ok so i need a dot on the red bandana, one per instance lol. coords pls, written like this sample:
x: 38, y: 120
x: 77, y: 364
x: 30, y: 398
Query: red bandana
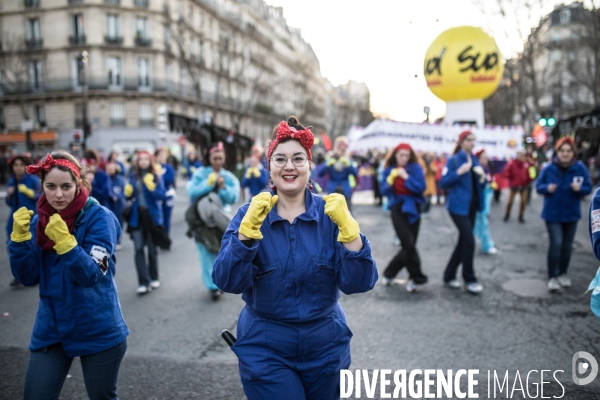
x: 50, y: 162
x: 403, y: 146
x: 565, y: 139
x: 284, y: 131
x: 463, y: 136
x: 69, y: 215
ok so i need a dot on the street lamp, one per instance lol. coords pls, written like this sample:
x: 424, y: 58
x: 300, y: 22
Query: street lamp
x: 82, y: 60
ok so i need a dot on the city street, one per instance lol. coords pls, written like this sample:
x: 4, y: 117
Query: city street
x: 176, y: 352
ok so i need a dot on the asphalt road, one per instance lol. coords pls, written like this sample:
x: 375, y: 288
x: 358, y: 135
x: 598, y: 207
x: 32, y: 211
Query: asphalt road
x: 175, y: 351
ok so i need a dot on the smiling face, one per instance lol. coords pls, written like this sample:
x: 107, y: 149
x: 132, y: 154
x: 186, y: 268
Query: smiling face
x: 60, y: 188
x: 565, y: 154
x: 468, y: 144
x: 402, y: 157
x: 290, y: 179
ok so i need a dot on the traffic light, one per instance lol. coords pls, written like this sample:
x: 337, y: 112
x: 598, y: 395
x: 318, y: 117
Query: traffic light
x: 547, y: 119
x: 163, y: 118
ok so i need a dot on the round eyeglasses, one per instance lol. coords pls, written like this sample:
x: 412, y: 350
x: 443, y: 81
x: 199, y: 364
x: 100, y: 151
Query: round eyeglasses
x: 280, y: 160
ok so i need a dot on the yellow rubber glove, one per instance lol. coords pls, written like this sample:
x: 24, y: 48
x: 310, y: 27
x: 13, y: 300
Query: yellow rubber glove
x: 249, y: 173
x: 21, y: 221
x: 256, y: 173
x: 532, y: 173
x: 392, y: 176
x: 128, y: 191
x: 26, y: 191
x: 260, y: 206
x: 331, y: 161
x: 494, y: 185
x: 337, y: 209
x: 58, y: 231
x: 149, y: 181
x: 345, y: 161
x: 212, y: 178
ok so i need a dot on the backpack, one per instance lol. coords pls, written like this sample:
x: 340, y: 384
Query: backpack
x: 197, y: 228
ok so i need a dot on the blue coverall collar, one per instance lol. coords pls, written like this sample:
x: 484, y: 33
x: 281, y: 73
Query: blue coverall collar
x: 311, y: 213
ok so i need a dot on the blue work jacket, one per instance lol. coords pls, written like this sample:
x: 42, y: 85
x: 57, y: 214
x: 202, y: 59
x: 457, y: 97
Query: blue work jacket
x: 564, y: 204
x: 339, y: 178
x: 116, y: 201
x: 198, y: 186
x: 18, y: 199
x: 154, y: 200
x: 459, y: 188
x: 415, y: 184
x: 295, y: 273
x: 256, y: 184
x: 79, y: 304
x: 101, y: 187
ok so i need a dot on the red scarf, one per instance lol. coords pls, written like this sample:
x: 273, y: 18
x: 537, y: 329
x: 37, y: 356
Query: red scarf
x: 400, y: 186
x: 69, y: 215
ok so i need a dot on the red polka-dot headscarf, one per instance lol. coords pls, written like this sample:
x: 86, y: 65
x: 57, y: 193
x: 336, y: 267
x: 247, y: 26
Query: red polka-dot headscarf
x: 284, y: 131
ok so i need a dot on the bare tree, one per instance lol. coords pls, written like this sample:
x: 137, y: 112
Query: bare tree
x: 14, y: 70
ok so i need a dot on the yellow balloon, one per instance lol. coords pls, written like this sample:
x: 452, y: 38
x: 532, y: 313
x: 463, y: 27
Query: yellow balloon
x: 463, y: 63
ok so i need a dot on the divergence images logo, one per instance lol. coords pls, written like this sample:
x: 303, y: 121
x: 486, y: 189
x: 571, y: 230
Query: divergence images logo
x: 580, y: 368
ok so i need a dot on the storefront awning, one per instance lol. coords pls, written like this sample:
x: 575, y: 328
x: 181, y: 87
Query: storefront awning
x: 19, y: 137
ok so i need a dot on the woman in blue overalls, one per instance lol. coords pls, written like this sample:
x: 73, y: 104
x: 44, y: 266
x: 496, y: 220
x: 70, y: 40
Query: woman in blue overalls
x: 213, y: 177
x: 290, y: 254
x: 464, y: 180
x: 256, y: 177
x: 116, y: 200
x: 341, y: 170
x: 168, y: 175
x: 23, y: 190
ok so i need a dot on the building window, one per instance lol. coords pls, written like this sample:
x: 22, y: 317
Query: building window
x: 169, y: 76
x: 32, y: 3
x: 35, y: 74
x: 113, y: 2
x: 555, y: 56
x: 565, y: 16
x: 34, y: 39
x: 115, y: 72
x: 78, y: 115
x: 146, y: 118
x: 2, y: 120
x: 113, y: 29
x: 39, y: 113
x: 140, y: 3
x: 167, y: 36
x: 117, y: 114
x: 144, y: 73
x: 141, y: 32
x: 78, y: 36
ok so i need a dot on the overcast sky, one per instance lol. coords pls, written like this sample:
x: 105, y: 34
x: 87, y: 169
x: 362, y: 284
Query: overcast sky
x: 383, y: 43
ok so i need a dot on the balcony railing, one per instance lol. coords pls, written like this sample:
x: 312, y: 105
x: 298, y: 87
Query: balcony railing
x: 141, y: 3
x: 75, y: 1
x: 113, y: 2
x: 143, y: 41
x: 34, y: 43
x: 146, y: 122
x: 113, y: 39
x: 32, y: 3
x: 77, y: 40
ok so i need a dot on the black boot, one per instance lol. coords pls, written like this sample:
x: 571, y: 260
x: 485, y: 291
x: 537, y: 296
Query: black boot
x: 521, y: 219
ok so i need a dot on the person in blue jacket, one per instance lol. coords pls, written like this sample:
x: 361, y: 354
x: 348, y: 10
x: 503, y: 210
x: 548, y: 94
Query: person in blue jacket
x: 290, y: 253
x: 256, y: 177
x: 116, y: 201
x: 147, y: 190
x: 22, y: 190
x: 341, y: 171
x: 99, y: 179
x: 69, y: 249
x: 403, y: 183
x: 213, y: 177
x: 482, y: 224
x: 168, y: 176
x: 563, y: 183
x: 464, y: 179
x: 191, y: 164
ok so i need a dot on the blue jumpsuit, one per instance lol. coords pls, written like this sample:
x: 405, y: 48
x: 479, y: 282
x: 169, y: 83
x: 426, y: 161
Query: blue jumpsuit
x: 168, y: 176
x: 339, y: 179
x: 292, y: 335
x: 256, y: 184
x: 116, y: 201
x: 198, y: 186
x: 101, y: 187
x: 18, y: 199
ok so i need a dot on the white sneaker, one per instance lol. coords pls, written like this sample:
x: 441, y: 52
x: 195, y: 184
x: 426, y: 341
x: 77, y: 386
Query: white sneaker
x: 492, y: 251
x: 396, y: 241
x: 143, y: 289
x: 386, y: 282
x: 154, y: 284
x: 474, y: 288
x: 553, y: 285
x: 118, y: 247
x: 453, y: 284
x: 413, y: 287
x: 564, y: 281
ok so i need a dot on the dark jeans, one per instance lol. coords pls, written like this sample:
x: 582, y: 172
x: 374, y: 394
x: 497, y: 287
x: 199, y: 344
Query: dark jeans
x: 439, y: 191
x: 409, y: 256
x: 561, y: 246
x: 48, y: 369
x: 146, y: 272
x: 465, y: 248
x: 426, y: 205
